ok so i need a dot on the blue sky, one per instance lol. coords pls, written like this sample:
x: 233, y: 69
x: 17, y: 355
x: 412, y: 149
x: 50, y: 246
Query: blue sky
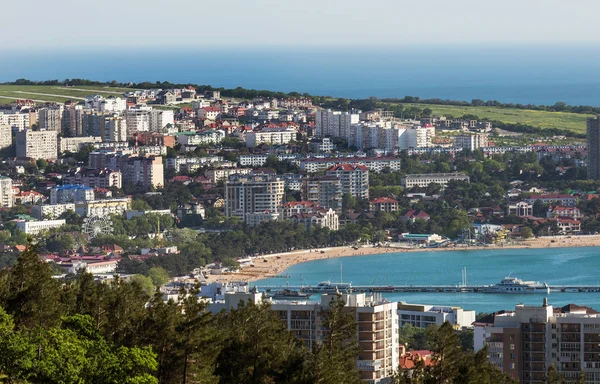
x: 202, y: 23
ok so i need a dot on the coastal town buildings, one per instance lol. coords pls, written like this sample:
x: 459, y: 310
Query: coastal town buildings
x: 5, y: 137
x: 471, y: 141
x: 6, y: 192
x: 94, y: 178
x: 354, y: 179
x: 423, y: 180
x: 593, y: 147
x: 326, y: 191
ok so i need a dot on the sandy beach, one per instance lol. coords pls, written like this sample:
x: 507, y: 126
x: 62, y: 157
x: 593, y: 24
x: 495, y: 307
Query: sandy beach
x: 273, y: 265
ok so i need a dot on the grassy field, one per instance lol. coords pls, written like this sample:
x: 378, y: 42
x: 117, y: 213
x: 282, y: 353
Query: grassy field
x: 54, y: 93
x: 572, y: 121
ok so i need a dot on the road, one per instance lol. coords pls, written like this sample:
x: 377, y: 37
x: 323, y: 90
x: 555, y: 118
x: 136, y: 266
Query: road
x: 50, y: 94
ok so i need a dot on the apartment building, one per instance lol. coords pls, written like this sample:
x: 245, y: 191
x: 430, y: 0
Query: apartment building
x: 424, y: 179
x: 216, y: 175
x: 155, y: 138
x: 72, y: 120
x: 19, y: 121
x: 260, y: 160
x: 374, y: 164
x: 553, y: 198
x: 377, y: 326
x: 94, y: 178
x: 70, y: 193
x: 593, y: 147
x: 334, y: 123
x: 5, y: 136
x: 6, y: 192
x: 471, y: 141
x: 160, y: 119
x: 137, y: 119
x: 271, y: 136
x: 109, y: 104
x: 211, y: 136
x: 35, y: 227
x: 325, y: 191
x: 180, y: 164
x: 50, y: 118
x: 103, y: 207
x: 51, y: 211
x: 246, y: 195
x: 74, y: 144
x: 525, y: 342
x: 310, y: 214
x: 37, y: 144
x: 146, y: 171
x: 354, y: 178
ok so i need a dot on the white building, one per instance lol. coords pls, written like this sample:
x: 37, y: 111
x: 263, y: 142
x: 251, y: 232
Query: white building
x: 248, y: 195
x: 160, y: 118
x: 35, y: 227
x: 70, y: 193
x: 334, y: 123
x: 19, y: 121
x: 212, y: 136
x: 424, y: 179
x: 6, y: 192
x: 269, y: 136
x: 423, y: 315
x: 37, y: 144
x: 5, y: 136
x: 109, y: 104
x: 51, y: 211
x: 98, y: 267
x: 138, y: 119
x: 73, y: 144
x: 102, y: 207
x: 50, y: 118
x: 471, y: 141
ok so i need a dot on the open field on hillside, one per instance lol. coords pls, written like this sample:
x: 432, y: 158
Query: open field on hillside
x: 563, y: 120
x: 9, y: 93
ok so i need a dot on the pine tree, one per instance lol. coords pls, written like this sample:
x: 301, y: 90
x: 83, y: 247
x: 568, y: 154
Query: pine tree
x: 448, y: 354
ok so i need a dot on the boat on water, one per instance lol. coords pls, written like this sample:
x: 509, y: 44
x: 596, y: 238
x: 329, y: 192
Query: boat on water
x: 329, y: 287
x: 289, y: 294
x: 515, y: 285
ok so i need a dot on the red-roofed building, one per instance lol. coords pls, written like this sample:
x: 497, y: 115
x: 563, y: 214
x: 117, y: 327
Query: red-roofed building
x: 568, y: 225
x: 572, y: 212
x: 386, y: 204
x: 409, y: 359
x: 354, y: 178
x: 553, y: 198
x: 209, y: 113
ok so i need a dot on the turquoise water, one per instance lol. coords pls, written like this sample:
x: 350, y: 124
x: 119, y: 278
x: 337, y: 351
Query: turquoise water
x: 542, y: 74
x: 556, y: 266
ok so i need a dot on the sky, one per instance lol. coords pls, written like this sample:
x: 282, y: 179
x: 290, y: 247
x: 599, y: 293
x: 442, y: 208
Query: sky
x: 208, y: 23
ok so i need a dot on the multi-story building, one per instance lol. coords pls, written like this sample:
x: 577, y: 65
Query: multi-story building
x: 211, y: 136
x: 155, y: 138
x: 354, y: 178
x: 310, y: 214
x: 377, y: 326
x: 246, y: 195
x: 526, y: 342
x: 5, y: 136
x: 70, y: 193
x: 72, y: 120
x: 275, y: 136
x: 109, y: 104
x: 73, y: 144
x: 19, y: 121
x: 325, y: 191
x: 138, y: 119
x: 50, y: 118
x: 37, y: 144
x: 115, y: 129
x: 424, y: 179
x: 553, y: 198
x: 375, y: 164
x: 334, y: 123
x: 385, y: 204
x: 51, y: 211
x: 218, y: 174
x: 103, y: 207
x: 260, y: 160
x: 6, y: 192
x: 94, y: 178
x: 471, y: 141
x: 593, y: 147
x: 558, y: 211
x: 423, y: 315
x: 520, y: 209
x: 159, y: 119
x: 35, y: 227
x: 146, y: 171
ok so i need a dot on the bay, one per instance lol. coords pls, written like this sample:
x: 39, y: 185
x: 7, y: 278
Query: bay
x: 542, y: 74
x: 556, y: 266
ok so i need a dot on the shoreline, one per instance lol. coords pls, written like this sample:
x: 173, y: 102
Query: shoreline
x: 272, y: 265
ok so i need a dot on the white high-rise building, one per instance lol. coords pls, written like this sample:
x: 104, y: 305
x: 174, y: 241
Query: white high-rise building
x: 50, y: 118
x: 159, y: 119
x: 6, y: 192
x: 5, y: 136
x: 20, y: 121
x: 109, y: 104
x: 471, y: 141
x: 116, y: 129
x: 245, y: 196
x: 138, y: 119
x: 335, y: 123
x: 37, y: 144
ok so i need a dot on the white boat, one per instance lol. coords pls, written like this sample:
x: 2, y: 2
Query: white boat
x: 328, y: 287
x: 515, y: 285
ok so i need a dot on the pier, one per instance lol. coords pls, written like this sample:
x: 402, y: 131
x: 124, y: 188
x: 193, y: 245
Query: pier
x: 448, y: 289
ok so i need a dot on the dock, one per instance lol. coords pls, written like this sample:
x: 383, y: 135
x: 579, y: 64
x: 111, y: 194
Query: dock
x: 450, y: 289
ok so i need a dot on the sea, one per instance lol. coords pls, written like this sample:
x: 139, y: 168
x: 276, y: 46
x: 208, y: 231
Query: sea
x: 536, y: 74
x: 555, y: 266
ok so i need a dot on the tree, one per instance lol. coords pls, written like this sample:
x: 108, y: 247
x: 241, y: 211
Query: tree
x: 448, y: 356
x: 159, y: 276
x: 526, y: 232
x: 335, y: 358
